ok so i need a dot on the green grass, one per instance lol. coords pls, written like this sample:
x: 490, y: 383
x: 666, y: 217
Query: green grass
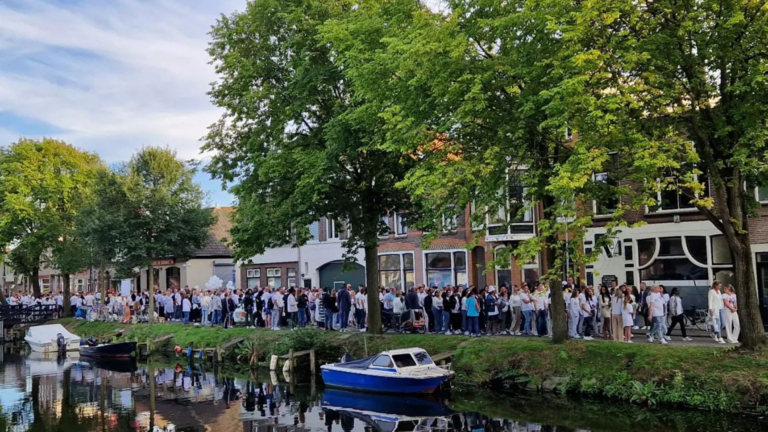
x: 707, y: 378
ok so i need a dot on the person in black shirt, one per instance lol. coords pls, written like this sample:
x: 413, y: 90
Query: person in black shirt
x: 301, y: 304
x: 428, y: 310
x: 248, y: 305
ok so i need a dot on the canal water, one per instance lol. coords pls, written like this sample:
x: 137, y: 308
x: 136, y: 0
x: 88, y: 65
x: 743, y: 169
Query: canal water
x: 47, y: 394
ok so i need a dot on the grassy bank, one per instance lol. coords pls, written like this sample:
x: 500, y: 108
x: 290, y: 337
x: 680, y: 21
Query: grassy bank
x: 707, y: 378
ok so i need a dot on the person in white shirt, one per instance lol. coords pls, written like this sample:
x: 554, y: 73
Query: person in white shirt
x: 205, y: 306
x: 574, y: 314
x: 361, y: 307
x: 656, y: 313
x: 277, y: 307
x: 186, y: 308
x: 730, y: 308
x: 627, y: 317
x: 715, y: 304
x: 527, y: 307
x: 515, y: 309
x: 675, y: 311
x: 617, y: 314
x: 292, y: 308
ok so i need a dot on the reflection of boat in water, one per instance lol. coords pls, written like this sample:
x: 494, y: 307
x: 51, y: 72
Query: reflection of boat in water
x: 114, y: 365
x: 51, y: 363
x: 387, y: 413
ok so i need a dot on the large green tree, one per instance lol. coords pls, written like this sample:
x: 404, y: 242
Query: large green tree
x: 678, y: 90
x: 43, y: 184
x: 469, y: 92
x: 163, y: 213
x: 296, y: 138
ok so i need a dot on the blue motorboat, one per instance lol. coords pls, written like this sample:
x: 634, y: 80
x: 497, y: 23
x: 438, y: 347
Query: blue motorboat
x: 408, y: 370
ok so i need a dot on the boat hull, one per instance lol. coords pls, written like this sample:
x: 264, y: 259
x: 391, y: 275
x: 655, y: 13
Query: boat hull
x: 380, y: 383
x: 51, y: 346
x: 117, y: 350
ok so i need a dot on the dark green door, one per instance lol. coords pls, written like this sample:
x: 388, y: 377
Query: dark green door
x: 332, y: 275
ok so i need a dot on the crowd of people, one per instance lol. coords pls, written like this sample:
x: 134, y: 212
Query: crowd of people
x: 607, y: 312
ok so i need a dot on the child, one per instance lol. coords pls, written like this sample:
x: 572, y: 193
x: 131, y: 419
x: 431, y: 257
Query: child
x: 627, y: 317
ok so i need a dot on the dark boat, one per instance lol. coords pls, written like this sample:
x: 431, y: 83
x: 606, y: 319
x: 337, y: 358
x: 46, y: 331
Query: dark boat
x: 115, y: 350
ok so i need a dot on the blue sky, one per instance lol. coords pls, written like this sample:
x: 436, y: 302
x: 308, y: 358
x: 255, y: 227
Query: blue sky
x: 111, y: 76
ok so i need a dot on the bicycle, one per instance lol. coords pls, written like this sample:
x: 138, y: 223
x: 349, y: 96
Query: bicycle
x: 696, y: 318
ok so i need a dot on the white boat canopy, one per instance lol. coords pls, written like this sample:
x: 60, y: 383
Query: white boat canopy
x: 49, y: 332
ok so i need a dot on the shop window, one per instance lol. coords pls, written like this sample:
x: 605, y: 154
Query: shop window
x: 671, y: 246
x: 721, y: 252
x: 253, y: 278
x: 446, y: 268
x: 673, y: 269
x: 291, y: 277
x: 274, y: 276
x: 697, y: 248
x: 645, y: 250
x: 396, y: 268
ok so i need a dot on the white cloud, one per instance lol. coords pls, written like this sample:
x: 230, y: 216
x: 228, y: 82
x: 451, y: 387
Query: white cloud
x: 112, y: 76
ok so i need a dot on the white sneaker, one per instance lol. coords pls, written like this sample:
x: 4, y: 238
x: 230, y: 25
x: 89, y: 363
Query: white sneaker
x: 448, y: 333
x: 635, y: 328
x: 362, y: 330
x: 466, y: 333
x: 687, y: 339
x: 650, y: 339
x: 720, y: 341
x: 518, y: 334
x: 663, y: 341
x: 458, y: 332
x: 630, y: 342
x: 588, y: 338
x: 733, y: 341
x: 667, y: 338
x: 577, y: 337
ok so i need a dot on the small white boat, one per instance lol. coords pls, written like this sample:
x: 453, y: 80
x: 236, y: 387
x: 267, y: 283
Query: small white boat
x: 46, y: 339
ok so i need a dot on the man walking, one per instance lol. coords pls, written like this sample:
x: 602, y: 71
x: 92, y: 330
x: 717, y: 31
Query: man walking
x: 344, y: 303
x: 656, y: 312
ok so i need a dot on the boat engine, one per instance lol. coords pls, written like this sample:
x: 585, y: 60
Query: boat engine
x: 61, y: 343
x: 346, y: 358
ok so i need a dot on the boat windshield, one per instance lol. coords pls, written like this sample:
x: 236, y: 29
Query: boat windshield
x: 423, y: 358
x: 382, y: 361
x: 404, y: 360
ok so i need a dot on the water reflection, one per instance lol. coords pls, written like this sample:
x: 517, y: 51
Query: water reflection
x: 46, y: 394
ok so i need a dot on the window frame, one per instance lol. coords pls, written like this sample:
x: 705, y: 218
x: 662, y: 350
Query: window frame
x: 757, y: 196
x: 403, y: 270
x: 399, y: 223
x: 661, y: 211
x: 385, y: 220
x: 451, y: 252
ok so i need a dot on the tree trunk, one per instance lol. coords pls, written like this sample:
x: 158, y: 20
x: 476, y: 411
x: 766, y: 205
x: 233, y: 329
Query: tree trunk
x: 557, y: 306
x: 372, y: 282
x: 151, y: 292
x: 102, y: 287
x: 66, y: 293
x: 35, y: 276
x: 752, y: 331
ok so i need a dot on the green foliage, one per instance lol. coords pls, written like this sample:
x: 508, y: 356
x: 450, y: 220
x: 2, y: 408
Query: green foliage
x: 296, y: 138
x: 43, y: 185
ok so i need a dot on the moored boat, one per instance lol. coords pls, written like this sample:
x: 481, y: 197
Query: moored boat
x: 408, y: 370
x: 115, y: 350
x: 51, y: 338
